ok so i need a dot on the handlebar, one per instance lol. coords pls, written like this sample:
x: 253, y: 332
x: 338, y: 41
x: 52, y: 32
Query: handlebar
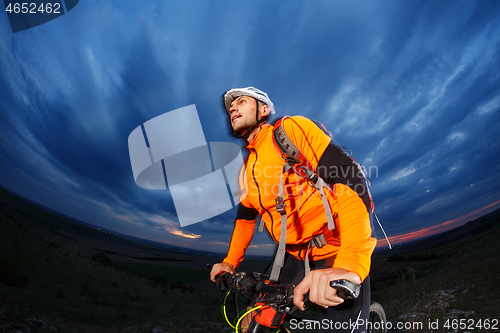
x: 275, y: 296
x: 280, y: 295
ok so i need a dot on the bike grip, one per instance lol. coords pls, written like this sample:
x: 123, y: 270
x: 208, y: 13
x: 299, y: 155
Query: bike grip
x: 221, y: 281
x: 262, y: 287
x: 249, y: 285
x: 345, y: 289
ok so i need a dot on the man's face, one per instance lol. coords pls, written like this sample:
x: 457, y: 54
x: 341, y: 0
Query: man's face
x: 242, y: 113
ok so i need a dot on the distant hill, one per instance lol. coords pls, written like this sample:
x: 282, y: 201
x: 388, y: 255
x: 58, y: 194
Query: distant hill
x: 457, y: 235
x: 60, y: 275
x: 43, y: 218
x: 448, y: 277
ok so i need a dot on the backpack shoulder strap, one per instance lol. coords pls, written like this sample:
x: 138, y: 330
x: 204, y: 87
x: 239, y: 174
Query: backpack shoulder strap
x: 284, y: 145
x: 296, y: 160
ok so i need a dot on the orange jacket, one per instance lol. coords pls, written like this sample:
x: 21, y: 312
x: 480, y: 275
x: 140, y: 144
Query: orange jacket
x: 350, y: 243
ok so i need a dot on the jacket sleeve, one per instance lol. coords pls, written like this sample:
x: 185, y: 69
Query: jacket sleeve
x: 244, y: 228
x: 353, y: 222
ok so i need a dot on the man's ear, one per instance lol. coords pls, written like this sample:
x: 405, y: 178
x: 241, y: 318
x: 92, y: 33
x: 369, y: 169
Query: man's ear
x: 265, y: 110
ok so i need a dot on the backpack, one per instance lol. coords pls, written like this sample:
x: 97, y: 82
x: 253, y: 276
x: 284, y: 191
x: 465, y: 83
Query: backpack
x: 345, y: 169
x: 355, y: 178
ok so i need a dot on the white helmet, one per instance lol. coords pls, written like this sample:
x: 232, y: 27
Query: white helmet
x: 234, y: 93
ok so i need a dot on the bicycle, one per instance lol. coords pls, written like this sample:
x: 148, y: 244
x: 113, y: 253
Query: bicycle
x: 266, y: 294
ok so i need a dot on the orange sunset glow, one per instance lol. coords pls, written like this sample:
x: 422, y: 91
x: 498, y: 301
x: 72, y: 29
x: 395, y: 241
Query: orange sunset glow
x: 432, y: 230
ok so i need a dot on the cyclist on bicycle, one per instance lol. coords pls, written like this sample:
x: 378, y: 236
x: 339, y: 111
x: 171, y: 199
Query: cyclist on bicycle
x: 330, y: 252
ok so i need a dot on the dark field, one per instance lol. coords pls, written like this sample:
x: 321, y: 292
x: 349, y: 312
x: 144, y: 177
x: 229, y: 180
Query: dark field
x: 57, y: 275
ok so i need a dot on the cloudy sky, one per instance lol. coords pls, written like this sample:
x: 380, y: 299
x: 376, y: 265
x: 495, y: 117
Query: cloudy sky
x: 412, y: 88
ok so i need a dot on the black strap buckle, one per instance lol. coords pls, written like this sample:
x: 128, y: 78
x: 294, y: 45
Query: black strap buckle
x: 280, y: 205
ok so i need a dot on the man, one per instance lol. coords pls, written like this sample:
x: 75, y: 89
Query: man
x: 348, y: 245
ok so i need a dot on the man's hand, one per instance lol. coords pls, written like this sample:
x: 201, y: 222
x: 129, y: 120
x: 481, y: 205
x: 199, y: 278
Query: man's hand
x: 219, y: 268
x: 317, y: 283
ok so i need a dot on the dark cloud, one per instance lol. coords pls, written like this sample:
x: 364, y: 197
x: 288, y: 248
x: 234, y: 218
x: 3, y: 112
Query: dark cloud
x: 412, y: 88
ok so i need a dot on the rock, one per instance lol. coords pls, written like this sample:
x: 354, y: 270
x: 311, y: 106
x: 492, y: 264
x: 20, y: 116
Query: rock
x: 12, y: 322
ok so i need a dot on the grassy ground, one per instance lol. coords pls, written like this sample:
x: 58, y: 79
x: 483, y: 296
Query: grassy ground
x: 462, y: 281
x: 75, y: 293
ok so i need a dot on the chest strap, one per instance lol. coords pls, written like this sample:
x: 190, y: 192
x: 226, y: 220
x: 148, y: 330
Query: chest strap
x: 317, y: 183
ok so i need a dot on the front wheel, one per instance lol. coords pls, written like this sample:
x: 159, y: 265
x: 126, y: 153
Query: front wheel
x: 377, y: 320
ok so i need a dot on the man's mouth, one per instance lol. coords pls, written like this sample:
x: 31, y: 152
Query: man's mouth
x: 236, y: 116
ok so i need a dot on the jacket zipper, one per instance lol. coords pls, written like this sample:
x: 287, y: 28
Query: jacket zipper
x: 258, y: 190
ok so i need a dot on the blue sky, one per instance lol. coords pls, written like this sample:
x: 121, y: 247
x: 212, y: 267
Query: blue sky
x: 411, y: 88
